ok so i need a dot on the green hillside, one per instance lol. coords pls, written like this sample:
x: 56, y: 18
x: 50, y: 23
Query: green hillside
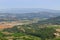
x: 34, y: 30
x: 17, y: 36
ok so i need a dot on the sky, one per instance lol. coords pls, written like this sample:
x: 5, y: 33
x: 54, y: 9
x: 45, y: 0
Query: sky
x: 46, y: 4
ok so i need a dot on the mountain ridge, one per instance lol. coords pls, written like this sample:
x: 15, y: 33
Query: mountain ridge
x: 26, y: 10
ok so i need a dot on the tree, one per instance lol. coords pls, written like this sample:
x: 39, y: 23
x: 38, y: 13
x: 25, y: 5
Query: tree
x: 47, y: 33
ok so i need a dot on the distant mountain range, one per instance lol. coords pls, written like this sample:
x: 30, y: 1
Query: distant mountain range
x: 28, y: 13
x: 27, y: 10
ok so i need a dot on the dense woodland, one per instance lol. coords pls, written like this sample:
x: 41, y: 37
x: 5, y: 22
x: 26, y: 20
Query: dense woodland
x: 42, y: 33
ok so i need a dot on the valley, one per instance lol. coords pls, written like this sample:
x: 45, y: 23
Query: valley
x: 42, y: 25
x: 29, y: 19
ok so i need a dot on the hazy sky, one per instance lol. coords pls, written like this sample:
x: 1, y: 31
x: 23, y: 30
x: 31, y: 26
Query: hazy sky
x: 47, y: 4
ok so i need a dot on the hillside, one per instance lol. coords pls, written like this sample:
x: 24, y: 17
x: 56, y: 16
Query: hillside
x: 43, y: 32
x: 17, y: 36
x: 53, y: 20
x: 34, y: 30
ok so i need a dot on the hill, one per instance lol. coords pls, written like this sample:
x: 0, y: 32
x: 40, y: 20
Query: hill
x: 34, y: 30
x: 53, y: 20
